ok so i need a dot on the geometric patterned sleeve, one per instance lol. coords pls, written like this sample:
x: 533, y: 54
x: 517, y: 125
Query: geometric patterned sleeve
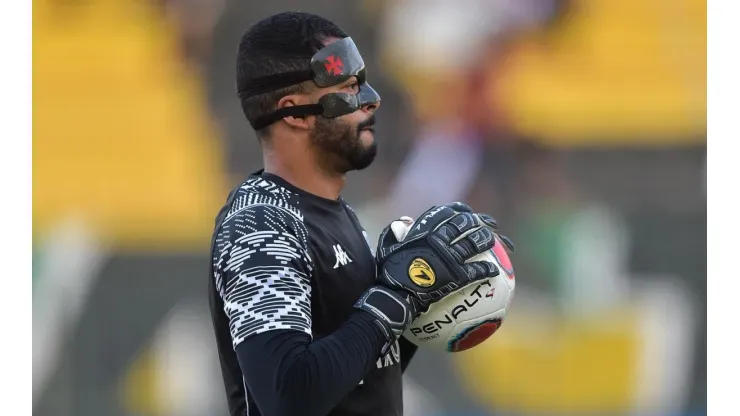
x: 263, y: 270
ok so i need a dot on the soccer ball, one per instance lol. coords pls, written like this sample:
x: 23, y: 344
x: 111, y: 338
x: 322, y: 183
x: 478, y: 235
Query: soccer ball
x: 469, y: 316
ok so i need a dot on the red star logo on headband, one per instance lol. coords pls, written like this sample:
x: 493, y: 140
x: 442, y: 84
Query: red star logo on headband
x: 334, y: 65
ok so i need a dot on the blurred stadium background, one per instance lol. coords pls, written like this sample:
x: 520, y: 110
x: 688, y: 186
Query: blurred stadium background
x: 581, y: 124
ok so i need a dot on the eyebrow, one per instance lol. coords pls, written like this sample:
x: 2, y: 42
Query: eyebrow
x: 351, y: 80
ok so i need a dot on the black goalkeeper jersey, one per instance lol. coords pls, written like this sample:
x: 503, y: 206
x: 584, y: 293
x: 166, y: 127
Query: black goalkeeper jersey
x: 287, y: 267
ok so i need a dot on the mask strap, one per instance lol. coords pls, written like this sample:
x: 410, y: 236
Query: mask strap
x: 293, y: 111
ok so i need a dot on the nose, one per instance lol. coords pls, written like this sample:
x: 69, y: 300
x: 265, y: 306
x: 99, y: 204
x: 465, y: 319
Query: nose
x: 369, y: 98
x: 371, y: 107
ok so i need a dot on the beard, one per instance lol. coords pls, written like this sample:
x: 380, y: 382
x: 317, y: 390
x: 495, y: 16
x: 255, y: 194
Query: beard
x: 340, y: 148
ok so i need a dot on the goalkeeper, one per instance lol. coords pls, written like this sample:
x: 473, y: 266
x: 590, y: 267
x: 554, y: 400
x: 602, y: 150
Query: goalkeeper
x: 307, y: 320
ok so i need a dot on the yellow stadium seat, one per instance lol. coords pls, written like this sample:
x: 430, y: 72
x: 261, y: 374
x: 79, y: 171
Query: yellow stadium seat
x: 560, y: 367
x: 121, y: 133
x: 614, y: 72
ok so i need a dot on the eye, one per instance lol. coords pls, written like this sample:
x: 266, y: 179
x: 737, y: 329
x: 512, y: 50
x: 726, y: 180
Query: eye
x: 354, y: 87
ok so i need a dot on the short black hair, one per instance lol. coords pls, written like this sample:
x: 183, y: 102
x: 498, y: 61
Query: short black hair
x: 284, y: 42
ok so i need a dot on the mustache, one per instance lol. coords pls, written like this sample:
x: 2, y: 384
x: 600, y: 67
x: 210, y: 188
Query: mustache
x: 370, y: 122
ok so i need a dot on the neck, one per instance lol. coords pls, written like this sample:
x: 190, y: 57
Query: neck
x: 304, y: 174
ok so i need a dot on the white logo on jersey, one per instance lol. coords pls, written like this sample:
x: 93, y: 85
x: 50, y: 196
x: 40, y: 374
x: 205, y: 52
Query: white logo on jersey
x: 342, y: 257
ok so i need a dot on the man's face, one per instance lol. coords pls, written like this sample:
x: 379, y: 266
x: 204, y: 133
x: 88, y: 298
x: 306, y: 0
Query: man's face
x: 348, y: 142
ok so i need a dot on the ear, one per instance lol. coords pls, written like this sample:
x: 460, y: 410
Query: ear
x: 301, y: 122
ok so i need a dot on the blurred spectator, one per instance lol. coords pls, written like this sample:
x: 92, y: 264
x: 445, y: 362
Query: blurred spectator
x: 442, y: 61
x: 194, y: 21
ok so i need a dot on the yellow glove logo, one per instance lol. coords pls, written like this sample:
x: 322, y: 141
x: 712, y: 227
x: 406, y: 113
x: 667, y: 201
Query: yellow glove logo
x: 421, y: 273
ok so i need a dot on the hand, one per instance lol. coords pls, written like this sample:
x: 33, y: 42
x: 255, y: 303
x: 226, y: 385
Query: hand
x: 430, y: 262
x: 393, y: 311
